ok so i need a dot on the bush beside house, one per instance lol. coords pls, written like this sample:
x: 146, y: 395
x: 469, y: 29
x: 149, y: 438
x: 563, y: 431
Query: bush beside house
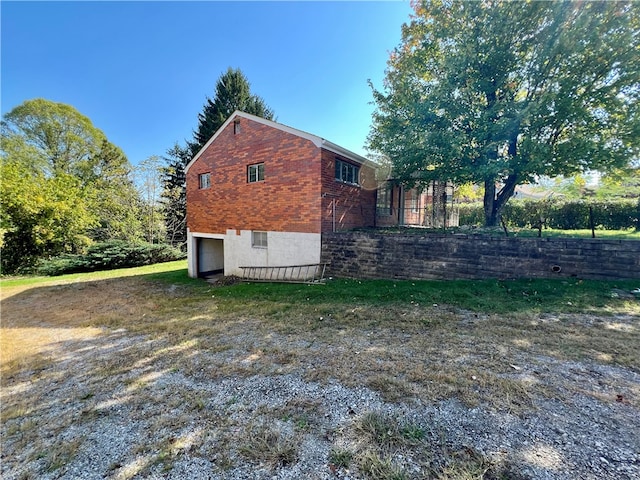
x: 109, y: 256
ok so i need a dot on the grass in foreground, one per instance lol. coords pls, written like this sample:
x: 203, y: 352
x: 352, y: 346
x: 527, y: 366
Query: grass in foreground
x: 340, y: 304
x: 426, y: 340
x: 385, y: 446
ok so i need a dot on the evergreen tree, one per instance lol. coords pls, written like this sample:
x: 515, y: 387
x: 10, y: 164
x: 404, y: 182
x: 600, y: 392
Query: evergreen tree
x: 174, y: 196
x: 233, y: 92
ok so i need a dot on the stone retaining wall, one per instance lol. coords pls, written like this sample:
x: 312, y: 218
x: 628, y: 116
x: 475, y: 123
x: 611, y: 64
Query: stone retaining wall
x: 411, y: 256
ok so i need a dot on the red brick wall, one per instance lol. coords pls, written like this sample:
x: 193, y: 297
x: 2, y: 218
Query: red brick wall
x: 354, y: 205
x: 287, y: 200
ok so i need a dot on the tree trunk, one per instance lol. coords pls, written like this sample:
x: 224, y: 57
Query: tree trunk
x: 493, y: 202
x: 490, y: 214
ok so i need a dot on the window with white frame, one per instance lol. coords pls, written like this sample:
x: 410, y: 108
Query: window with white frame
x: 204, y: 180
x: 255, y: 173
x: 259, y: 239
x: 347, y: 172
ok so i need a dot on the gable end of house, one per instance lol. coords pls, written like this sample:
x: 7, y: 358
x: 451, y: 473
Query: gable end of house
x: 317, y: 141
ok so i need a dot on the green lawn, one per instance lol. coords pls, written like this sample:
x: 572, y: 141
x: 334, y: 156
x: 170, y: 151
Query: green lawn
x: 630, y: 234
x: 405, y: 340
x: 489, y: 296
x: 164, y: 268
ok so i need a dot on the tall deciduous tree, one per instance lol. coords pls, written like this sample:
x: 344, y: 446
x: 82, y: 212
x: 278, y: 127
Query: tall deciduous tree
x: 149, y: 173
x: 116, y: 199
x: 64, y: 184
x: 41, y: 215
x: 621, y: 184
x: 497, y: 93
x: 53, y: 138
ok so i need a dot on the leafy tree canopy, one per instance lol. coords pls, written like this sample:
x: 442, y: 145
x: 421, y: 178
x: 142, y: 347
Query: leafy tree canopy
x: 496, y: 93
x: 63, y: 184
x: 233, y: 92
x: 620, y: 183
x: 40, y: 215
x: 55, y: 138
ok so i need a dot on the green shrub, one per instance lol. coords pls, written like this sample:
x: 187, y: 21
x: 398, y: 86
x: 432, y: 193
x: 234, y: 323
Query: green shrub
x: 471, y: 213
x: 561, y: 214
x: 62, y: 264
x: 110, y: 255
x: 617, y: 215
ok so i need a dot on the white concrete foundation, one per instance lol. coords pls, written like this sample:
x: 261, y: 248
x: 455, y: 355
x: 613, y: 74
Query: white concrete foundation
x: 206, y: 252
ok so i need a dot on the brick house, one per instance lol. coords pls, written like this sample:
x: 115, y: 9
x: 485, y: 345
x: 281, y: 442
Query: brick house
x: 260, y: 193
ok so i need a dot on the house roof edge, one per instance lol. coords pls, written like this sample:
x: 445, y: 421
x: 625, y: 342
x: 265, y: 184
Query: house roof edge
x: 317, y: 141
x: 335, y: 148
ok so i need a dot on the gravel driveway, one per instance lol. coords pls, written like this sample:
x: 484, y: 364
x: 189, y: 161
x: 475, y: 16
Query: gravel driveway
x: 120, y: 405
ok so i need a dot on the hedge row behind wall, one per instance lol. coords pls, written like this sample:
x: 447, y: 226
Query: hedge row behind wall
x: 559, y: 214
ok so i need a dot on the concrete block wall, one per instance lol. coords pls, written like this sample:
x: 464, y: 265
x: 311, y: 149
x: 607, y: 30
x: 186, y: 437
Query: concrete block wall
x: 443, y: 257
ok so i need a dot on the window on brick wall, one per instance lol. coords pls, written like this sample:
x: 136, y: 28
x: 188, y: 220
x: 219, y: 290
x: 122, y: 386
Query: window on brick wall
x: 347, y: 172
x: 383, y: 202
x: 259, y: 239
x: 204, y: 180
x: 255, y: 173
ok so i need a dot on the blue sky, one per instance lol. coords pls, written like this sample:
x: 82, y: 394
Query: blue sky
x: 141, y: 71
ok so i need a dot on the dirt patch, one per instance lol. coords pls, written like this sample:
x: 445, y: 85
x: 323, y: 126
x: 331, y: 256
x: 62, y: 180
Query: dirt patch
x: 38, y: 322
x: 38, y: 341
x: 133, y: 379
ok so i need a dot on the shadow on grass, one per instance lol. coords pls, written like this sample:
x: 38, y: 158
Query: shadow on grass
x: 162, y: 325
x: 486, y: 296
x: 159, y: 301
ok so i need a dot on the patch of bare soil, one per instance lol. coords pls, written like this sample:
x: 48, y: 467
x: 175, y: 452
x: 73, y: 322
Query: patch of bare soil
x: 136, y: 380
